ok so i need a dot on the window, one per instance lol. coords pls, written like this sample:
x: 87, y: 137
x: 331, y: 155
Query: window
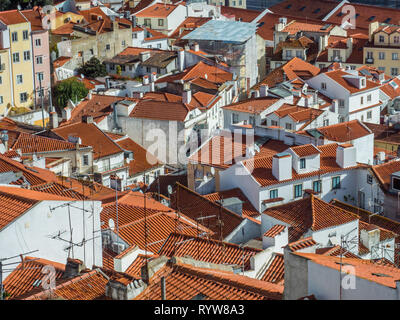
x: 91, y: 52
x: 288, y: 126
x: 25, y: 35
x: 273, y: 194
x: 323, y: 85
x: 336, y: 55
x: 369, y: 115
x: 1, y: 100
x: 369, y: 179
x: 252, y: 120
x: 336, y: 182
x: 123, y: 43
x: 1, y: 80
x: 112, y: 67
x: 85, y: 160
x: 298, y: 190
x: 362, y: 100
x: 289, y: 54
x: 317, y: 186
x: 302, y: 163
x: 274, y: 123
x: 369, y: 98
x: 38, y: 42
x: 326, y: 123
x: 23, y: 97
x: 134, y: 36
x: 14, y: 37
x: 160, y: 22
x: 299, y: 54
x: 396, y: 39
x: 235, y: 118
x: 19, y: 79
x: 148, y: 69
x: 341, y: 103
x: 40, y: 76
x: 381, y: 56
x: 39, y: 60
x: 381, y: 39
x: 370, y: 54
x: 395, y: 56
x: 159, y: 45
x: 16, y: 57
x: 108, y: 47
x: 27, y: 55
x: 394, y: 71
x: 147, y: 22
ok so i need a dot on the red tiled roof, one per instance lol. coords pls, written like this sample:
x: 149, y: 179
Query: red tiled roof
x: 185, y: 282
x: 276, y: 270
x: 135, y: 268
x: 309, y: 213
x: 152, y: 109
x: 274, y: 231
x: 157, y: 10
x: 187, y: 26
x: 305, y: 150
x: 364, y: 269
x: 262, y: 166
x: 195, y: 206
x: 336, y: 251
x: 389, y: 90
x: 247, y: 207
x: 208, y: 250
x: 254, y: 105
x: 91, y: 135
x: 60, y: 61
x: 302, y: 244
x: 28, y: 276
x: 142, y: 159
x: 87, y: 286
x: 383, y: 172
x: 11, y: 17
x: 338, y: 76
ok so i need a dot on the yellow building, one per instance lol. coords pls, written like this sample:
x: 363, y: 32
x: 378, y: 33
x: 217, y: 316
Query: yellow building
x: 383, y: 48
x: 17, y: 60
x: 5, y: 85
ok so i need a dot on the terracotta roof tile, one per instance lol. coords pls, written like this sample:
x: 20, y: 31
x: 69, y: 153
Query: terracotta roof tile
x: 309, y: 213
x: 28, y: 276
x: 254, y: 105
x: 135, y: 268
x: 91, y: 135
x: 276, y: 270
x: 195, y: 206
x: 206, y: 249
x: 274, y: 231
x: 185, y: 282
x: 151, y: 109
x: 305, y: 150
x: 302, y: 244
x: 157, y: 10
x: 11, y: 17
x: 247, y: 207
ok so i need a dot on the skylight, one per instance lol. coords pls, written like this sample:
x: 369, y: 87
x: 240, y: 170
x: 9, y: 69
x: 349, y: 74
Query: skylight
x: 394, y: 84
x: 371, y: 18
x: 302, y: 8
x: 317, y: 10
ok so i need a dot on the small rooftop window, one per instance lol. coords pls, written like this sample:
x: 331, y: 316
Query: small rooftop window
x: 317, y: 10
x: 387, y: 20
x: 371, y: 18
x: 288, y: 6
x: 302, y: 8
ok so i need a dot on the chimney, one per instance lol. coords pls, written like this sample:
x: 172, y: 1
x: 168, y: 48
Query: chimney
x: 53, y: 119
x: 181, y: 60
x: 73, y: 268
x: 146, y: 80
x: 370, y: 238
x: 134, y: 22
x: 282, y: 166
x: 187, y: 93
x: 137, y: 95
x: 124, y: 288
x: 195, y: 47
x: 144, y: 56
x: 87, y: 119
x: 4, y: 139
x: 346, y: 155
x: 89, y: 96
x: 153, y: 77
x: 233, y: 204
x: 67, y: 113
x: 371, y: 29
x: 263, y: 90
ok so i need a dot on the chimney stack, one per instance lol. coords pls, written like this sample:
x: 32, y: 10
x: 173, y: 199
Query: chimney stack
x: 187, y: 93
x: 282, y: 166
x: 346, y: 155
x: 73, y: 268
x: 87, y: 119
x: 53, y: 119
x: 263, y: 90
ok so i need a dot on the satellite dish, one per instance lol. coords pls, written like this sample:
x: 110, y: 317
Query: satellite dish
x: 212, y: 170
x: 169, y: 189
x: 111, y: 224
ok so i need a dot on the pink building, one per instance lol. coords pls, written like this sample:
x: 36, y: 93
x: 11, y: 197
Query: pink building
x: 41, y: 55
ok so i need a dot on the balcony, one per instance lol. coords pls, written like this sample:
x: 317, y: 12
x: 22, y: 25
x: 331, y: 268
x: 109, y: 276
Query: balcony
x: 2, y: 67
x: 369, y: 60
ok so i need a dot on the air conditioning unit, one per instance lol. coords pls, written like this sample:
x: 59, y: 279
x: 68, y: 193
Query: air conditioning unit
x: 118, y: 247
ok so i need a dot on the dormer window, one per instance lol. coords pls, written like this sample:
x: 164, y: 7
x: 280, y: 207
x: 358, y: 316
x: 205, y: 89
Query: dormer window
x: 302, y: 163
x: 323, y: 85
x: 381, y: 39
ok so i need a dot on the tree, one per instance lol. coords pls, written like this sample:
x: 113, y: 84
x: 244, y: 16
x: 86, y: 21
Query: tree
x: 93, y: 68
x: 25, y: 4
x: 69, y: 89
x: 119, y: 70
